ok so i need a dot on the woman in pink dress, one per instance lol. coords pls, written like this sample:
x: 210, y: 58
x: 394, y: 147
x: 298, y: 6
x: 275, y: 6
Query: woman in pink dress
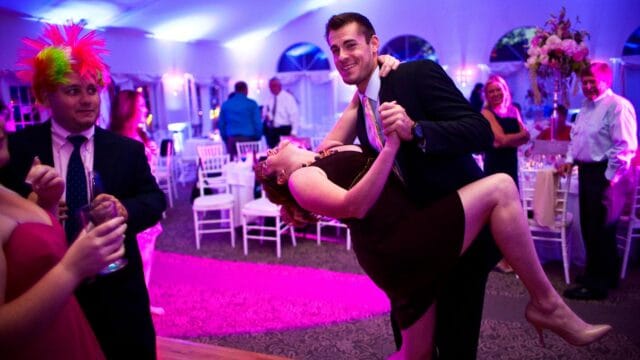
x: 128, y: 115
x: 39, y: 315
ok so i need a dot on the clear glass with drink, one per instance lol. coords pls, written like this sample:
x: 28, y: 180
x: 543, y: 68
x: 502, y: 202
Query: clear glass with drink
x: 99, y: 214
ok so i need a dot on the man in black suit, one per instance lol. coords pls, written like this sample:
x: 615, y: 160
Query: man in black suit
x: 117, y: 304
x: 440, y: 131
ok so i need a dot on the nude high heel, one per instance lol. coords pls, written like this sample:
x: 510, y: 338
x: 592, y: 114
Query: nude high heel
x: 564, y: 323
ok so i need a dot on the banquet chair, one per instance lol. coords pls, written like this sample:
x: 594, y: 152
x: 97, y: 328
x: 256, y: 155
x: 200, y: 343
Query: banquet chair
x: 556, y: 231
x: 213, y: 159
x: 633, y: 229
x: 250, y: 147
x: 211, y: 177
x: 164, y: 172
x: 254, y: 213
x: 324, y: 222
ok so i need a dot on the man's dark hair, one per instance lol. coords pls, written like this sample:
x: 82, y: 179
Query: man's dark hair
x: 338, y: 21
x: 241, y: 87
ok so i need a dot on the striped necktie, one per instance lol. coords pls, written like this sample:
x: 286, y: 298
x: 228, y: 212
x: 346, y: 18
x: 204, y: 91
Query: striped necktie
x: 76, y: 188
x: 374, y: 127
x: 374, y: 130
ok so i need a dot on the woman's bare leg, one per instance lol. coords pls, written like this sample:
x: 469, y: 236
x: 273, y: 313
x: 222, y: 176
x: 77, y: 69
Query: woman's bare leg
x: 417, y: 340
x: 495, y: 199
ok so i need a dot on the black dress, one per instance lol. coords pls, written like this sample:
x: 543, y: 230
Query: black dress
x: 407, y: 251
x: 505, y: 159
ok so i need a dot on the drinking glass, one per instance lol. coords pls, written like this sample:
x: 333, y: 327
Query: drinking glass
x: 91, y: 215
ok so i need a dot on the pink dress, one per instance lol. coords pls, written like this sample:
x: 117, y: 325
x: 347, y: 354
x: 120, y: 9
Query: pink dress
x: 32, y: 250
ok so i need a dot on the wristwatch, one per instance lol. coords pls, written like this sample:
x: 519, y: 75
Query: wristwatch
x: 418, y: 136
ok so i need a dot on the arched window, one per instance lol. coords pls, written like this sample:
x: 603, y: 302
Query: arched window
x: 303, y: 57
x: 409, y: 47
x: 513, y: 45
x: 632, y: 46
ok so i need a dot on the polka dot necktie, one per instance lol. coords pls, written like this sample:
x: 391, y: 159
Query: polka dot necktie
x: 76, y: 188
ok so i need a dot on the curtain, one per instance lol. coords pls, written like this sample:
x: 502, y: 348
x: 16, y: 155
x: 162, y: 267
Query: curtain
x: 314, y: 92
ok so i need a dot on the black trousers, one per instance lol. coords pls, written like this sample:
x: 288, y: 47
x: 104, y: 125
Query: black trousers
x: 272, y: 134
x: 599, y: 236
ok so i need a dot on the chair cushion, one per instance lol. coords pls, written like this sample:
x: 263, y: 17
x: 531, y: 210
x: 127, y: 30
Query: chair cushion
x: 262, y: 207
x: 211, y: 202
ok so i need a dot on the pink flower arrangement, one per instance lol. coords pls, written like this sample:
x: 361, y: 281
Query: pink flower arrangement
x: 556, y: 50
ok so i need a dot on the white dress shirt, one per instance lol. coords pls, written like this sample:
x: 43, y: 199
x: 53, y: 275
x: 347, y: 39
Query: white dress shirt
x: 605, y: 129
x: 287, y: 112
x: 62, y: 150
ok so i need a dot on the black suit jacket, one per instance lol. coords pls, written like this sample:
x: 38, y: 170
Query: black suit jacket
x: 116, y: 305
x: 453, y: 131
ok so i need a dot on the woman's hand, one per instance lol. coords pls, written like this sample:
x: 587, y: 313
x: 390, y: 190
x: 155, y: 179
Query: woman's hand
x: 388, y: 63
x: 46, y: 183
x: 393, y: 141
x: 95, y: 248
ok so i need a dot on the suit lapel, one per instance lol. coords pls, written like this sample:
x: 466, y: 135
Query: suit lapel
x: 105, y: 157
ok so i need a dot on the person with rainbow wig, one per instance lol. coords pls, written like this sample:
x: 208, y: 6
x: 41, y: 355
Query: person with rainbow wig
x: 68, y: 73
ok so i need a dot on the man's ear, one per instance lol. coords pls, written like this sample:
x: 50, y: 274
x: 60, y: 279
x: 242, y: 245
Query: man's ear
x: 375, y: 43
x: 281, y: 179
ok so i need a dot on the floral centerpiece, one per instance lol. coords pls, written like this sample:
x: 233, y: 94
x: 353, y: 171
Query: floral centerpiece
x: 556, y: 51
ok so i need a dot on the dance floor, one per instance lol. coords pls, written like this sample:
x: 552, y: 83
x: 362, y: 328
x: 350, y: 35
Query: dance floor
x: 212, y: 297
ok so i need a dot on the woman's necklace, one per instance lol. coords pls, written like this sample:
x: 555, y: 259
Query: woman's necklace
x: 320, y: 155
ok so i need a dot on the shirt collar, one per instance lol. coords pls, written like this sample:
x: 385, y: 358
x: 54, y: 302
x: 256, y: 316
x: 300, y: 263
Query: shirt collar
x: 604, y: 94
x: 60, y: 134
x: 373, y: 87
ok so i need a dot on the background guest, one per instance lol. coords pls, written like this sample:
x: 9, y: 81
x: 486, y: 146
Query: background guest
x: 603, y: 143
x: 509, y: 132
x: 561, y: 130
x: 239, y: 119
x: 281, y: 114
x: 68, y: 74
x: 128, y: 115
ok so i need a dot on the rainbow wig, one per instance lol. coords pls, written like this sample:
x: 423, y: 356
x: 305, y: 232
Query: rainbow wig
x: 60, y: 51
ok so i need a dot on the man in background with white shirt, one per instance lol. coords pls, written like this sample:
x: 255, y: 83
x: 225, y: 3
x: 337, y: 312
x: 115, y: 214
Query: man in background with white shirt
x: 281, y: 115
x: 603, y: 142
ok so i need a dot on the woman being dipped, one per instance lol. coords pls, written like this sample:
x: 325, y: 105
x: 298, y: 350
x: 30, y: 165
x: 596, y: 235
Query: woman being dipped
x: 400, y: 246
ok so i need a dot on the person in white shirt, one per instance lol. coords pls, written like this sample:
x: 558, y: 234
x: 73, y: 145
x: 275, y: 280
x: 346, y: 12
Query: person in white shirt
x: 603, y: 142
x: 281, y: 114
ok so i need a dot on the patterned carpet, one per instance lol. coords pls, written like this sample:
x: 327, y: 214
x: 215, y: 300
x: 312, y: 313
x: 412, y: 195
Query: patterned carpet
x: 505, y: 334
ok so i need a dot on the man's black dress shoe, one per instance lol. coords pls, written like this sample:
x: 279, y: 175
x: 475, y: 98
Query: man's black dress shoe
x: 585, y: 293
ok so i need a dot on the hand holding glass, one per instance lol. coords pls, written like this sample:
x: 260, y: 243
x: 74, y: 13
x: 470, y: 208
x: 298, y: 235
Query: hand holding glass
x: 98, y: 212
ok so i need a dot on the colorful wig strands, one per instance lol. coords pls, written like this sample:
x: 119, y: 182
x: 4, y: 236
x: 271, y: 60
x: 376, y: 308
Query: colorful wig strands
x: 59, y: 51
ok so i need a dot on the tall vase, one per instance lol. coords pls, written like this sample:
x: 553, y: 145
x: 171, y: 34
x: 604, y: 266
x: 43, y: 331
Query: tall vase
x: 559, y: 97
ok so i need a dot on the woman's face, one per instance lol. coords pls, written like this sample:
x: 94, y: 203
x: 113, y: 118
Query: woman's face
x: 4, y: 151
x: 279, y: 158
x: 494, y: 95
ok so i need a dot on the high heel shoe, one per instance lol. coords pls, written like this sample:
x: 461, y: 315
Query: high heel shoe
x: 566, y: 324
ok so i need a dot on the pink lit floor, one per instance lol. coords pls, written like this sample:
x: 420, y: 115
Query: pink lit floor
x: 211, y: 297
